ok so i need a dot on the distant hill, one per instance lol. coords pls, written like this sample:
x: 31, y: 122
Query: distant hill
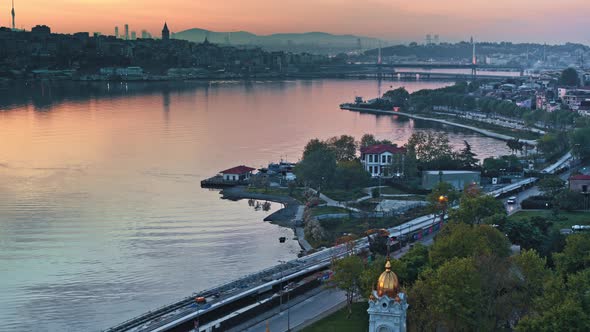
x: 286, y: 41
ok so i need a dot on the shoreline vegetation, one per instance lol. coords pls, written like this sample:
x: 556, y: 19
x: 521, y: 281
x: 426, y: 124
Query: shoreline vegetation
x: 485, y: 132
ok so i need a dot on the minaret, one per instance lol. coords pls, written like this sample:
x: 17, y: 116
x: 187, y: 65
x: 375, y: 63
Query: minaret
x: 165, y: 32
x: 13, y: 24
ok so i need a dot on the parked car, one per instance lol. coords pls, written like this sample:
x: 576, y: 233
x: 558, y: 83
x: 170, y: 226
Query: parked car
x: 511, y: 200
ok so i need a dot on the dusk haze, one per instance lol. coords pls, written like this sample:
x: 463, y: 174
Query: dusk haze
x: 294, y: 165
x: 398, y: 20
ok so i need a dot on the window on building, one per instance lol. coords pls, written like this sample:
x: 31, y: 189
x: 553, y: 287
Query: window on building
x: 383, y: 159
x: 585, y: 188
x: 389, y: 159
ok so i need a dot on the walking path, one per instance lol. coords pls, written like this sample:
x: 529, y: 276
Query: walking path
x: 331, y: 202
x: 413, y: 116
x: 299, y: 230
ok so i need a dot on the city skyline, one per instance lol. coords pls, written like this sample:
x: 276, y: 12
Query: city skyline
x: 394, y: 20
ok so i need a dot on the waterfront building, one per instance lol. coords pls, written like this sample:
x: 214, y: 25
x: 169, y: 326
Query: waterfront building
x: 239, y: 173
x: 579, y: 183
x: 387, y: 305
x: 458, y: 179
x: 133, y: 35
x: 165, y: 32
x: 383, y: 160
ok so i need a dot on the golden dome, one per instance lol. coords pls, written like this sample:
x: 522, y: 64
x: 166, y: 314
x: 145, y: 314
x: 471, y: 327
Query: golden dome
x: 387, y: 284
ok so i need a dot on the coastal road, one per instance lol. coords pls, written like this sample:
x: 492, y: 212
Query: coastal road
x: 532, y: 191
x: 307, y: 309
x: 326, y: 301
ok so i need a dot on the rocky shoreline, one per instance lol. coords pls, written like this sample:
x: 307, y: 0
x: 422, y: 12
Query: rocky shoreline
x: 284, y: 217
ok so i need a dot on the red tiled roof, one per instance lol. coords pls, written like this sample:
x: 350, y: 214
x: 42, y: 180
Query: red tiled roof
x: 580, y: 177
x: 238, y: 170
x: 380, y: 148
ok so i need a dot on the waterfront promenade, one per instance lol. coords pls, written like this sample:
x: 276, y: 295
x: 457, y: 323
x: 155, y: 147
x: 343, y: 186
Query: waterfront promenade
x: 484, y: 132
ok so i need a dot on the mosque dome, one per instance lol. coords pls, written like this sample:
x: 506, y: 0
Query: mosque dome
x: 387, y: 283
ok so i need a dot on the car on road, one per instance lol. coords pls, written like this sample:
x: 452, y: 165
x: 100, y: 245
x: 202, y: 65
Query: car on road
x: 511, y: 200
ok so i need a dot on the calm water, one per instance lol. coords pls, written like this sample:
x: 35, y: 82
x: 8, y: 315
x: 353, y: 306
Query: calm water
x: 101, y: 213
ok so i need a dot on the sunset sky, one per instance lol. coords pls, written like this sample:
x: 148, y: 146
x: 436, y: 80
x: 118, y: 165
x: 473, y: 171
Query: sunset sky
x: 400, y: 20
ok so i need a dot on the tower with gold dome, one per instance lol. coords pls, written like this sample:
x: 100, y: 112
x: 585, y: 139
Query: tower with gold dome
x: 387, y: 305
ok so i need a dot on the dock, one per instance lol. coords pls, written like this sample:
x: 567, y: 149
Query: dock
x: 219, y: 182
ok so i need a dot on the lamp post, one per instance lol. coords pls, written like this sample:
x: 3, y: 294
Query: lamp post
x: 443, y: 200
x: 281, y: 288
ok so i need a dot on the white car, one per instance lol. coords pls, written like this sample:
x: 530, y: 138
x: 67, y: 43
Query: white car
x: 511, y: 200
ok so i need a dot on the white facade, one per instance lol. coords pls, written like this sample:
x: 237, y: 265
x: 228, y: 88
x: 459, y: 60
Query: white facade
x: 384, y: 164
x: 235, y: 177
x: 387, y: 314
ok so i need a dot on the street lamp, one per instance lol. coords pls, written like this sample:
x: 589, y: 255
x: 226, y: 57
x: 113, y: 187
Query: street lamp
x: 281, y: 298
x: 443, y: 200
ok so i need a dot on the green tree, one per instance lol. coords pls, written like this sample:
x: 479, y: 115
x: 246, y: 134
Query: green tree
x: 447, y: 297
x: 414, y: 262
x: 462, y: 240
x: 569, y: 77
x: 347, y: 274
x: 398, y: 97
x: 429, y: 147
x: 565, y: 316
x: 474, y: 208
x: 575, y: 256
x: 467, y: 157
x: 515, y: 145
x: 442, y: 189
x: 532, y: 268
x: 551, y: 186
x: 581, y: 142
x: 351, y: 174
x: 313, y: 146
x: 344, y: 147
x: 569, y: 201
x: 523, y: 233
x: 317, y: 168
x: 368, y: 140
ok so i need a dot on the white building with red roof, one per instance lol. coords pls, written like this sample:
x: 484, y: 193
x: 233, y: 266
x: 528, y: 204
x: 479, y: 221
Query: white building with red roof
x: 238, y: 173
x: 383, y: 160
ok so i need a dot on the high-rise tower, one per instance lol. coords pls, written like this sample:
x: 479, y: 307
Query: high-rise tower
x: 473, y: 60
x: 126, y: 31
x: 12, y: 12
x: 117, y: 32
x: 165, y: 32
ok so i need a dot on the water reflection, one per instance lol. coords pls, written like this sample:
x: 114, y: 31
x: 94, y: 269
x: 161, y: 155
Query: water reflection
x: 101, y: 213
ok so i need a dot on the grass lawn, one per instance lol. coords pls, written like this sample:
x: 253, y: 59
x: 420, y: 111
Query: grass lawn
x: 337, y: 322
x: 345, y: 195
x: 297, y: 193
x: 270, y: 191
x: 392, y: 191
x: 316, y: 211
x: 564, y: 219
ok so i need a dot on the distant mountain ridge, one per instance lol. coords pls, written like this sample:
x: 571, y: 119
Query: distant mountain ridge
x: 278, y: 40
